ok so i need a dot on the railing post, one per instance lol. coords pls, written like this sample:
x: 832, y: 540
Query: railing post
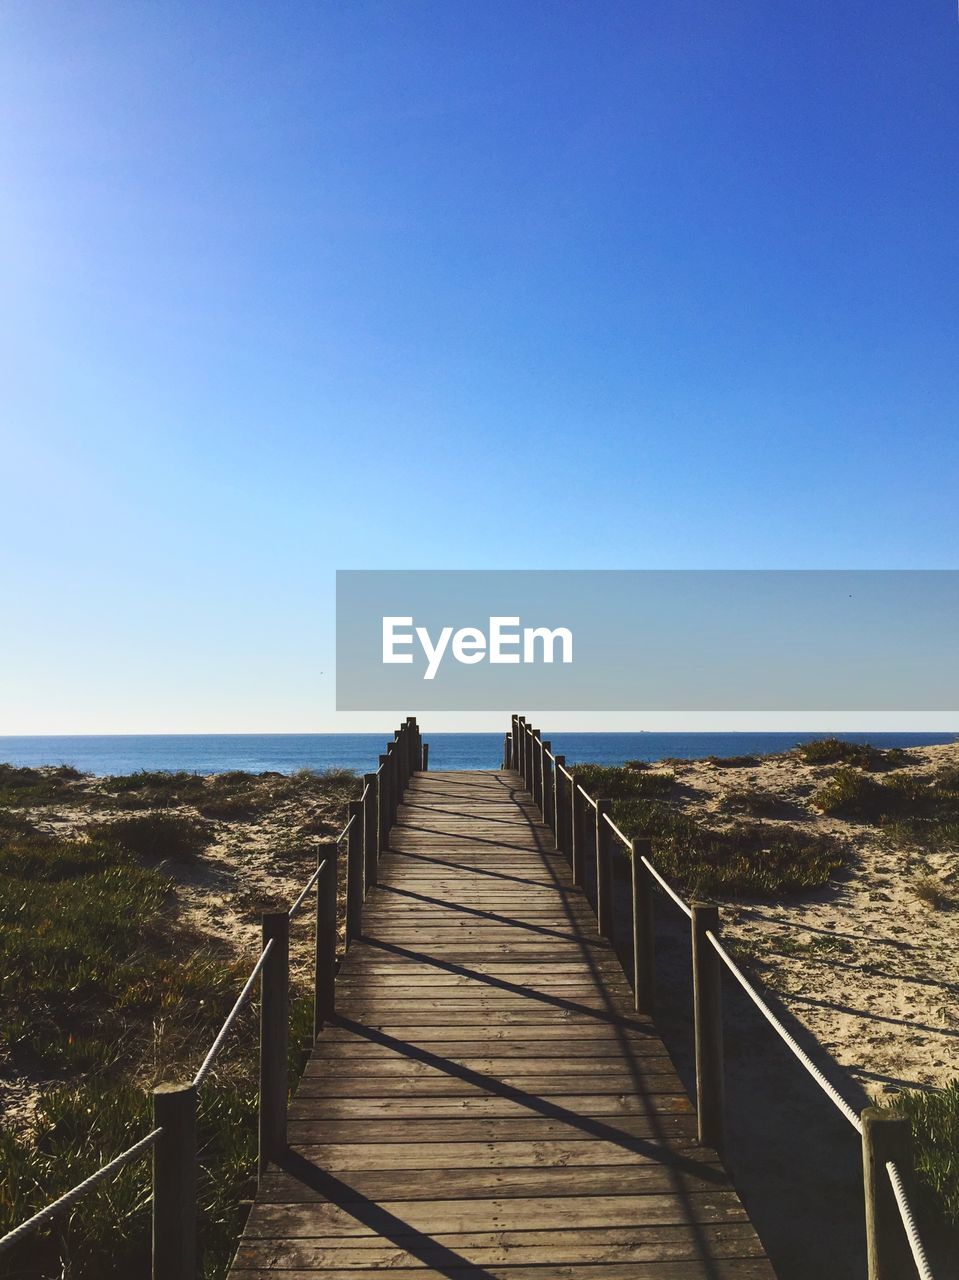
x: 644, y: 936
x: 369, y: 831
x: 507, y: 742
x: 174, y: 1183
x: 324, y: 955
x: 426, y: 757
x: 536, y: 769
x: 274, y: 1037
x: 383, y: 804
x: 547, y: 784
x: 354, y: 871
x: 577, y: 830
x: 559, y: 806
x: 708, y: 1014
x: 519, y: 755
x: 528, y: 758
x: 604, y: 869
x: 886, y: 1135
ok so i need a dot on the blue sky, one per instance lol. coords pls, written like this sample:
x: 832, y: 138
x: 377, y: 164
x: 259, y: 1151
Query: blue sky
x: 300, y: 286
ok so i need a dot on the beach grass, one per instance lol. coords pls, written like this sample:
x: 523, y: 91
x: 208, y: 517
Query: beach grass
x: 749, y: 859
x: 934, y: 1115
x: 105, y: 993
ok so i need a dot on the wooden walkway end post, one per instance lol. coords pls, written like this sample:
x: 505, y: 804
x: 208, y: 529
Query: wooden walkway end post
x: 559, y: 805
x: 644, y: 935
x: 604, y: 869
x: 548, y: 816
x: 577, y: 830
x: 370, y: 838
x: 536, y: 789
x: 708, y: 1015
x: 355, y: 875
x: 274, y: 1037
x: 886, y: 1135
x: 174, y: 1183
x: 324, y: 956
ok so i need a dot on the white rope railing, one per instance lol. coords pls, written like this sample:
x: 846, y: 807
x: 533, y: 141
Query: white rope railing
x: 75, y: 1193
x: 306, y: 889
x: 789, y: 1040
x: 908, y: 1222
x: 231, y: 1017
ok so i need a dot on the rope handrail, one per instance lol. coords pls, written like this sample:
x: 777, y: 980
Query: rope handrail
x: 666, y: 887
x: 908, y: 1222
x: 231, y: 1017
x: 777, y: 1026
x: 616, y: 831
x: 306, y: 889
x: 75, y: 1193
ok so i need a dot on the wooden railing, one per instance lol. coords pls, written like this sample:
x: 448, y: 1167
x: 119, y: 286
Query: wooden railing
x: 173, y: 1139
x: 584, y: 831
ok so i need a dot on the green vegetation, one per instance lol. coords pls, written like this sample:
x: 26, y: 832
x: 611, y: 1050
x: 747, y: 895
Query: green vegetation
x: 751, y: 859
x: 155, y: 836
x: 23, y: 786
x: 105, y: 993
x: 755, y: 802
x: 935, y: 1130
x: 731, y: 762
x: 908, y: 806
x: 862, y: 754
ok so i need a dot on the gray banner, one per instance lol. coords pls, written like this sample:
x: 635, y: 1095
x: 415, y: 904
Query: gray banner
x: 624, y: 640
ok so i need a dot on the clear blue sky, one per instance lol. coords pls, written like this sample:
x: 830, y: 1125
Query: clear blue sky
x: 300, y: 286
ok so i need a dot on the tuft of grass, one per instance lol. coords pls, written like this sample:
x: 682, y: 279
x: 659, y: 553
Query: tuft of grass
x: 155, y: 836
x: 753, y: 801
x: 930, y: 890
x: 731, y: 762
x: 935, y: 1131
x: 636, y: 764
x: 862, y: 754
x: 908, y: 807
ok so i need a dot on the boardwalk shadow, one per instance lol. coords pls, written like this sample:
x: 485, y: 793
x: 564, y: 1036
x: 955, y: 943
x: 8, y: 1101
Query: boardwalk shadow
x: 430, y: 1252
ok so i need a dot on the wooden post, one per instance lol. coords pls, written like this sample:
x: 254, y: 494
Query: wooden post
x: 324, y: 956
x: 577, y: 829
x: 708, y: 1014
x: 355, y: 885
x: 426, y: 757
x: 514, y: 757
x: 383, y: 804
x: 519, y: 760
x: 274, y: 1037
x: 369, y: 831
x: 886, y: 1135
x: 559, y: 805
x: 644, y: 936
x: 174, y: 1183
x: 604, y: 869
x: 528, y: 759
x: 535, y: 787
x: 507, y: 743
x: 547, y: 785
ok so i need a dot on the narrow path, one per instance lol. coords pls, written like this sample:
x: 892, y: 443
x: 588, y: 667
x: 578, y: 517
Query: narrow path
x: 487, y: 1103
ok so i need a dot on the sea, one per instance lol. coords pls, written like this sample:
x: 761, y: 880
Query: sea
x: 286, y: 752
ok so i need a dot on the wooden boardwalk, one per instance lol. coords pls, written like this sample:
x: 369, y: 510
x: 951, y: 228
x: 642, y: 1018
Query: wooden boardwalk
x: 487, y: 1103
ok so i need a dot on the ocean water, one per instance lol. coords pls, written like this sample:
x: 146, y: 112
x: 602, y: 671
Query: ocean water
x: 286, y: 752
